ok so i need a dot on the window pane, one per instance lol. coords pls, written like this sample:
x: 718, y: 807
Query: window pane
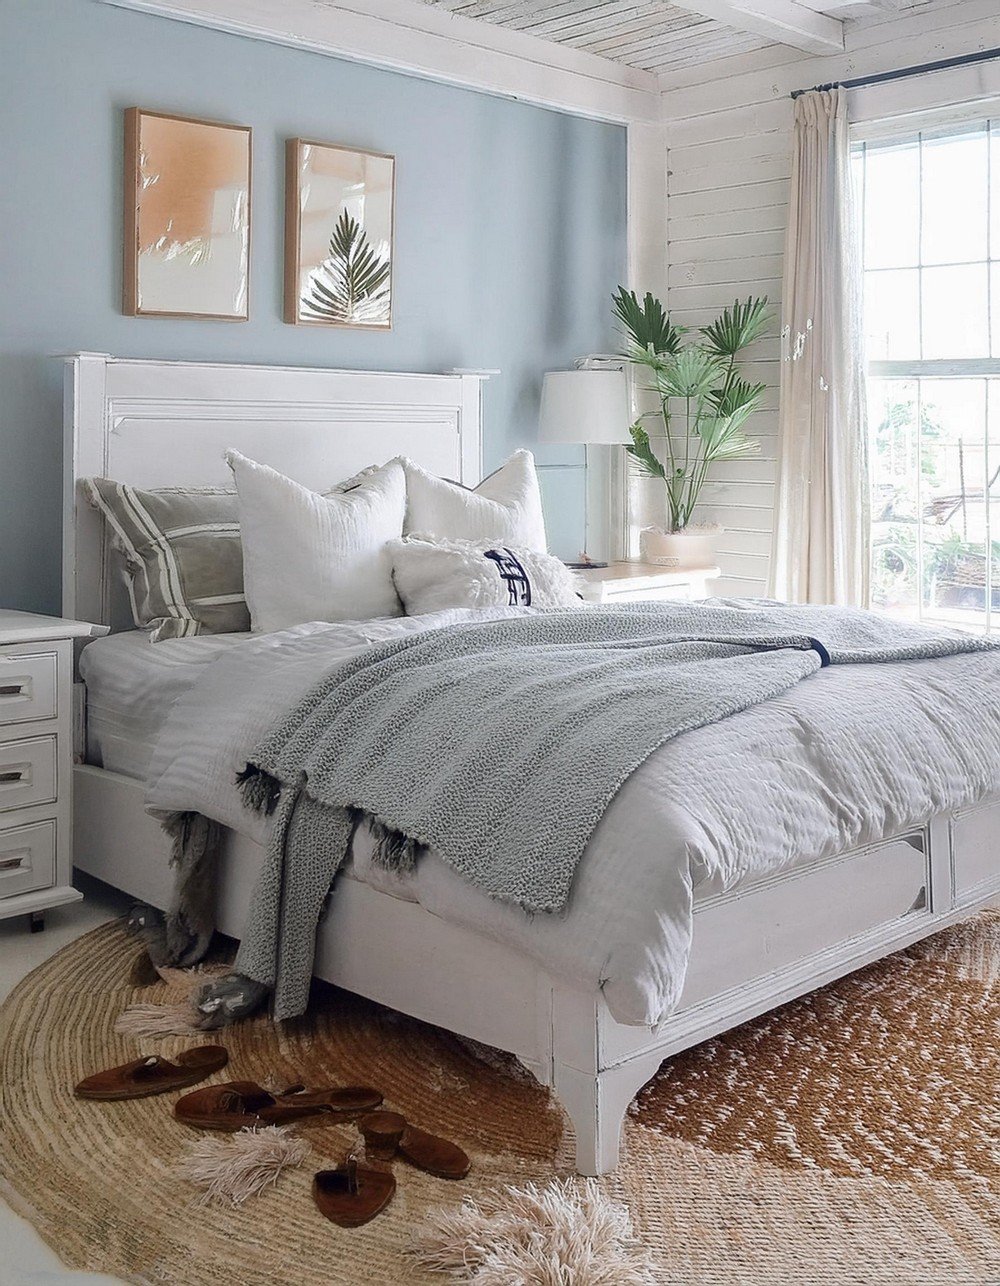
x: 995, y: 190
x: 955, y: 313
x: 995, y: 299
x: 953, y: 190
x: 892, y: 206
x: 954, y: 411
x: 953, y: 502
x: 892, y: 419
x: 892, y: 314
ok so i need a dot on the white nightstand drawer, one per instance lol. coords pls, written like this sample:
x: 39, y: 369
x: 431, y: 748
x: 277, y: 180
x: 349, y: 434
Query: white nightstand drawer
x: 27, y: 773
x: 27, y: 858
x: 27, y: 687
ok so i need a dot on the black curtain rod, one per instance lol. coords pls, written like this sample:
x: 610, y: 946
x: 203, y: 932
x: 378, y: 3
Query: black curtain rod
x: 963, y: 60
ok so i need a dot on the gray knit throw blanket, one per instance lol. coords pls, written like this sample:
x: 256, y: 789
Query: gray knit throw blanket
x: 500, y: 744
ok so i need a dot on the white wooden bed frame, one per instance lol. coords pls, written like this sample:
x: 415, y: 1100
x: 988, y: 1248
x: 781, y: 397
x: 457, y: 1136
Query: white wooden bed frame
x: 160, y: 423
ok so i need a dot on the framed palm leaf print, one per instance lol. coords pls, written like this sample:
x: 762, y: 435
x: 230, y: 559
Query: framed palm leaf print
x: 338, y: 235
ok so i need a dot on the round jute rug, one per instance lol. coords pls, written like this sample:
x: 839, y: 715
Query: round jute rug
x: 852, y: 1137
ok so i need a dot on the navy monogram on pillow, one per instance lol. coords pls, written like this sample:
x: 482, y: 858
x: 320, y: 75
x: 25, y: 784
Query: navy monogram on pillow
x: 512, y: 570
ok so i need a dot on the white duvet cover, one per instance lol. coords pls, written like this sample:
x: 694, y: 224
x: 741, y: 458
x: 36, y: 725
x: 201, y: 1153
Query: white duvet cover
x: 852, y: 754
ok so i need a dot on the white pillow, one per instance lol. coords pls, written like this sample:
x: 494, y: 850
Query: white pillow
x: 505, y: 506
x: 308, y: 557
x: 432, y: 575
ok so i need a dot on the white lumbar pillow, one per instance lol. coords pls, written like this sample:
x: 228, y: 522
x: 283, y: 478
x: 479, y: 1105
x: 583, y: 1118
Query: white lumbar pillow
x: 505, y: 506
x: 309, y: 557
x: 432, y: 575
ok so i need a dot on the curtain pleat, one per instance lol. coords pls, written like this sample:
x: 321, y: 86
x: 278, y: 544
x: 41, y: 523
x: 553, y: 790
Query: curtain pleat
x: 820, y: 550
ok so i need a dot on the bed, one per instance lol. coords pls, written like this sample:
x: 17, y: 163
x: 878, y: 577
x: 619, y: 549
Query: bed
x: 427, y: 949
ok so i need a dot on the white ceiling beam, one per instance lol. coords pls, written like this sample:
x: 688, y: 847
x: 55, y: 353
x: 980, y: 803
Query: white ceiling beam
x: 858, y: 8
x: 832, y: 7
x: 786, y: 21
x: 430, y: 41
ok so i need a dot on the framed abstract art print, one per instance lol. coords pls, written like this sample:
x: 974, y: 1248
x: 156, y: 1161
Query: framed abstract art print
x: 187, y: 217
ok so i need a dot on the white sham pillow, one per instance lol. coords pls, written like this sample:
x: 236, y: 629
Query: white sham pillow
x: 505, y: 506
x: 432, y: 575
x: 310, y: 557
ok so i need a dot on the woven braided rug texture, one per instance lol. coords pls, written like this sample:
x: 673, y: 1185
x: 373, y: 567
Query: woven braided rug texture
x: 851, y: 1137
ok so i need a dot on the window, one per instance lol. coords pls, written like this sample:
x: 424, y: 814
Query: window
x: 929, y: 207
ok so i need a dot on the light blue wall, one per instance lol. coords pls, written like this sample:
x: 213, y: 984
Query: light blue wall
x: 510, y: 236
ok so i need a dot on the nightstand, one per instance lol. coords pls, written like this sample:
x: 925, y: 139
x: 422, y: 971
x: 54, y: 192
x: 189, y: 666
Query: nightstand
x: 635, y: 582
x: 36, y: 762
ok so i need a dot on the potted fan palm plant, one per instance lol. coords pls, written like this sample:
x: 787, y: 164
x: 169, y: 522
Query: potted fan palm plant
x: 702, y: 403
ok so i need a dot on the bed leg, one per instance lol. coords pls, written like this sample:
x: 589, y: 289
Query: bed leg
x: 596, y: 1105
x: 596, y: 1098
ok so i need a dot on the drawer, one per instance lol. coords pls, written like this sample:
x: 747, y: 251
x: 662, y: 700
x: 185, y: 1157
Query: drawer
x: 27, y: 773
x: 975, y: 855
x: 27, y: 687
x: 27, y: 858
x: 784, y: 920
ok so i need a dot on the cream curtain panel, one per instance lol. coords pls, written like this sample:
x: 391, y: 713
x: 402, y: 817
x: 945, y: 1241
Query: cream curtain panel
x: 820, y: 552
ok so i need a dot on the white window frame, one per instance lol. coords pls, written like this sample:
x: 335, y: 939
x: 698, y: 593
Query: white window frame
x: 911, y: 127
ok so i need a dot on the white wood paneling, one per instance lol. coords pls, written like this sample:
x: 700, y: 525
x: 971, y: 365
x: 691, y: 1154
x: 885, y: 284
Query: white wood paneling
x: 729, y: 139
x: 652, y: 35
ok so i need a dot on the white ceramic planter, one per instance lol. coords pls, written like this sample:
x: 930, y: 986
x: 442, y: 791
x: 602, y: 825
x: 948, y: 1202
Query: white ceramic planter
x: 694, y: 547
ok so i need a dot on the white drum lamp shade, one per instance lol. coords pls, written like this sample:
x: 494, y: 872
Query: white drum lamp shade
x: 584, y: 406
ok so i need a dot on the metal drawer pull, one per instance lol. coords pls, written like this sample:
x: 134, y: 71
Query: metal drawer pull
x: 12, y: 689
x: 11, y: 775
x: 12, y: 863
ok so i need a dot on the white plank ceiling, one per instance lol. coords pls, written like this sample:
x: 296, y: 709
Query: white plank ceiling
x: 658, y: 36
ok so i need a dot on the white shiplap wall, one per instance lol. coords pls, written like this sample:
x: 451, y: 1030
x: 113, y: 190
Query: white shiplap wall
x: 729, y: 160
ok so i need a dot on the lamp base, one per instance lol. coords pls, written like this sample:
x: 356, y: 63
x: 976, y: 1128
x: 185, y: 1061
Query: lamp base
x: 589, y: 565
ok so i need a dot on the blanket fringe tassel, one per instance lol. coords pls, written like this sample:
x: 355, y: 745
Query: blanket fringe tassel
x: 393, y: 851
x: 144, y: 1021
x: 259, y: 789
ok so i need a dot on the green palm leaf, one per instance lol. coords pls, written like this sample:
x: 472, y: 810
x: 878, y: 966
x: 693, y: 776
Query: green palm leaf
x: 642, y: 453
x: 724, y: 439
x: 737, y: 327
x: 647, y: 325
x: 736, y: 393
x: 352, y: 284
x: 692, y: 373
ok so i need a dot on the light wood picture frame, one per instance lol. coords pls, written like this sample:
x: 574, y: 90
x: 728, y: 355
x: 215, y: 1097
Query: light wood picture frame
x: 187, y: 199
x: 339, y: 216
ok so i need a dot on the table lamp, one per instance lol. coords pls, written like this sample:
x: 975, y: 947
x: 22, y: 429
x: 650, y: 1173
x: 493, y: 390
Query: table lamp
x: 584, y: 406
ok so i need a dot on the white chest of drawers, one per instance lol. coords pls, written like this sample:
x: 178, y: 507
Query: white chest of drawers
x: 36, y: 762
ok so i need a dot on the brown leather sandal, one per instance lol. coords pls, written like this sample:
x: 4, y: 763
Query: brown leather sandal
x: 387, y: 1134
x: 352, y: 1194
x: 235, y: 1105
x: 153, y: 1075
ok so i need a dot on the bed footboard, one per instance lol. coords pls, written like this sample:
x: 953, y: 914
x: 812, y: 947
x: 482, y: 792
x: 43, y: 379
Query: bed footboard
x: 752, y: 948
